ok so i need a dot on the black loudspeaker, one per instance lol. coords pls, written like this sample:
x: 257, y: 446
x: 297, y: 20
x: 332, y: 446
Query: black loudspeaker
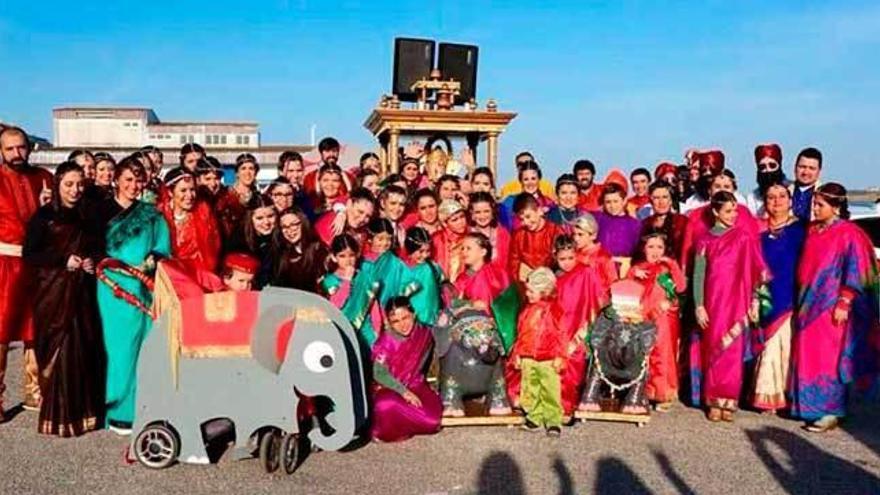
x: 459, y: 62
x: 413, y: 60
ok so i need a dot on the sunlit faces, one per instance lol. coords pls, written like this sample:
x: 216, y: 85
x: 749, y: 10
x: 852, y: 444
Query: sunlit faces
x: 191, y: 159
x: 481, y: 183
x: 822, y: 210
x: 294, y: 172
x: 566, y: 260
x: 410, y: 171
x: 70, y: 188
x: 727, y: 214
x: 330, y: 184
x: 183, y: 195
x: 448, y: 189
x: 104, y: 173
x: 482, y: 214
x: 655, y: 248
x: 661, y: 201
x: 401, y: 320
x: 129, y: 185
x: 330, y: 156
x: 640, y: 183
x: 371, y: 183
x: 530, y: 181
x: 457, y: 222
x: 371, y: 163
x: 14, y: 148
x: 291, y: 227
x: 583, y: 239
x: 613, y: 204
x: 393, y: 206
x: 246, y: 174
x: 567, y: 196
x: 209, y: 181
x: 358, y: 213
x: 777, y: 201
x: 239, y: 281
x: 345, y: 260
x: 534, y: 296
x: 87, y: 162
x: 584, y: 178
x: 264, y: 220
x: 282, y: 196
x: 421, y: 254
x: 721, y: 183
x: 427, y: 210
x: 381, y: 242
x: 532, y: 219
x: 806, y: 171
x: 473, y: 255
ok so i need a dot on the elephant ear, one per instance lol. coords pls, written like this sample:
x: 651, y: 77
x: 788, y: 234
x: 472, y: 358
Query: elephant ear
x: 273, y: 321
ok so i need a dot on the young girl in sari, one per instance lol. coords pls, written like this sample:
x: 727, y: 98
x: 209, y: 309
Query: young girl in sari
x: 350, y: 293
x: 663, y: 281
x: 404, y: 404
x: 482, y: 214
x: 728, y: 271
x: 419, y: 275
x: 836, y: 340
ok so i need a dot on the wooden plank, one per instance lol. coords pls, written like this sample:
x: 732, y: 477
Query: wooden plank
x: 613, y: 416
x: 511, y: 420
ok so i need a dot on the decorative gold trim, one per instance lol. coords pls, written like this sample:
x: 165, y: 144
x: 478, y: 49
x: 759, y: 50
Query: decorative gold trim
x: 214, y: 351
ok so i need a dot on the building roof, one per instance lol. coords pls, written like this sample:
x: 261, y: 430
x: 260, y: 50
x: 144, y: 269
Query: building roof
x: 102, y: 107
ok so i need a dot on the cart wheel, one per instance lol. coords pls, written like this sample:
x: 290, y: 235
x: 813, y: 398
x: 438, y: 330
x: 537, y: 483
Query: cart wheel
x: 157, y: 446
x: 290, y: 452
x: 270, y: 451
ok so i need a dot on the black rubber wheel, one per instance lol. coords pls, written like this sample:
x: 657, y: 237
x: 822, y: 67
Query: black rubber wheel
x: 270, y: 451
x: 290, y: 452
x: 157, y: 446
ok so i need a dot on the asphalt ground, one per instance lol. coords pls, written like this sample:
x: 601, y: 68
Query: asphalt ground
x: 678, y: 452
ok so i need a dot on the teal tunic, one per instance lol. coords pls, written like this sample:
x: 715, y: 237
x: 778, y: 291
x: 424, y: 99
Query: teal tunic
x: 131, y: 237
x: 420, y: 282
x: 355, y: 300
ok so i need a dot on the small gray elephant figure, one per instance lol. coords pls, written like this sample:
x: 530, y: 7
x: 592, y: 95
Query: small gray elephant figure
x: 619, y: 351
x: 247, y: 358
x: 471, y: 359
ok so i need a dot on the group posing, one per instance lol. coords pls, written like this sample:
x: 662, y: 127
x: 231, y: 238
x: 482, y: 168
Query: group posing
x: 437, y: 267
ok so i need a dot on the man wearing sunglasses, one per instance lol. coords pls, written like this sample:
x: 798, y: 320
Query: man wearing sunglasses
x: 768, y: 161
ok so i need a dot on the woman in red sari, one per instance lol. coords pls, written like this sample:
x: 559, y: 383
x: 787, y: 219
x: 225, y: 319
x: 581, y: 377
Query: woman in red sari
x: 195, y: 236
x: 664, y: 219
x: 591, y: 253
x: 663, y: 280
x: 447, y: 241
x: 728, y: 271
x: 836, y: 338
x: 483, y: 217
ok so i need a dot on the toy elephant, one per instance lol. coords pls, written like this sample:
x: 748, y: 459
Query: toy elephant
x: 248, y: 358
x: 471, y: 360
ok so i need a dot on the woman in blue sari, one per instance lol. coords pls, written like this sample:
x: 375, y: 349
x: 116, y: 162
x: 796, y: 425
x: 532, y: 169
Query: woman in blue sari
x: 138, y: 236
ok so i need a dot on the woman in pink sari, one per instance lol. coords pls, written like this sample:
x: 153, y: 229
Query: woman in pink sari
x: 483, y: 218
x: 404, y: 404
x: 728, y: 270
x: 836, y: 337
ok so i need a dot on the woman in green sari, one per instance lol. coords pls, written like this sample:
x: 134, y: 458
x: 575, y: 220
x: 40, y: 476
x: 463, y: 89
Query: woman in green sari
x: 137, y: 235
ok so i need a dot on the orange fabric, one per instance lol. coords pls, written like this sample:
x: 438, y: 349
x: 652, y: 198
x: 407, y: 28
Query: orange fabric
x: 534, y: 249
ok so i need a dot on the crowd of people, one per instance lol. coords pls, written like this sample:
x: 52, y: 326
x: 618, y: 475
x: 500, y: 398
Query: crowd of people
x: 766, y: 300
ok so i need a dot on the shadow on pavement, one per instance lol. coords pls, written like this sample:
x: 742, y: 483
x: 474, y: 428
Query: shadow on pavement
x: 614, y: 477
x: 808, y: 468
x: 500, y: 473
x: 671, y: 474
x: 865, y: 430
x: 566, y: 483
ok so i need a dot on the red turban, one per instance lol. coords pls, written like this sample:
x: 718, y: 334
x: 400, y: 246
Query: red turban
x: 241, y: 262
x: 712, y: 160
x: 665, y: 168
x: 768, y: 151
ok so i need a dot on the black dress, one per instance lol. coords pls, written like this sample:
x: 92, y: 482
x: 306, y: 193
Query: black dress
x: 68, y: 342
x: 300, y: 266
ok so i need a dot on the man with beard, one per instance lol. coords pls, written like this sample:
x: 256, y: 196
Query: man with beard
x: 328, y: 149
x: 807, y: 168
x: 711, y: 164
x: 768, y: 160
x: 23, y: 189
x: 590, y: 191
x: 291, y: 167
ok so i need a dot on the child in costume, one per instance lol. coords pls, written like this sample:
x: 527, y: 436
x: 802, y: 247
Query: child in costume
x: 538, y: 354
x: 238, y: 271
x: 531, y: 245
x: 404, y: 404
x: 351, y: 292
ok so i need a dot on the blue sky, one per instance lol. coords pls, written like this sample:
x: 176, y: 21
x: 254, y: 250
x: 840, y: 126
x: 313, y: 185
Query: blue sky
x: 622, y: 83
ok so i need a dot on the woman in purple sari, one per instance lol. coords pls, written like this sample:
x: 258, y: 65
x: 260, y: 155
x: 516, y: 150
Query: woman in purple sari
x: 404, y: 404
x: 836, y: 338
x: 728, y: 270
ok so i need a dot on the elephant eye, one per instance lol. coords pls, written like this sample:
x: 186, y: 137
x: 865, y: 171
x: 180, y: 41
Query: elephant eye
x: 318, y: 356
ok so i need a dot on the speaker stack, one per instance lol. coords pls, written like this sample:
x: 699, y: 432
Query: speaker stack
x: 414, y: 61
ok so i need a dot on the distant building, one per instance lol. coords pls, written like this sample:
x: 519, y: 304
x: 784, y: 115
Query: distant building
x: 132, y: 127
